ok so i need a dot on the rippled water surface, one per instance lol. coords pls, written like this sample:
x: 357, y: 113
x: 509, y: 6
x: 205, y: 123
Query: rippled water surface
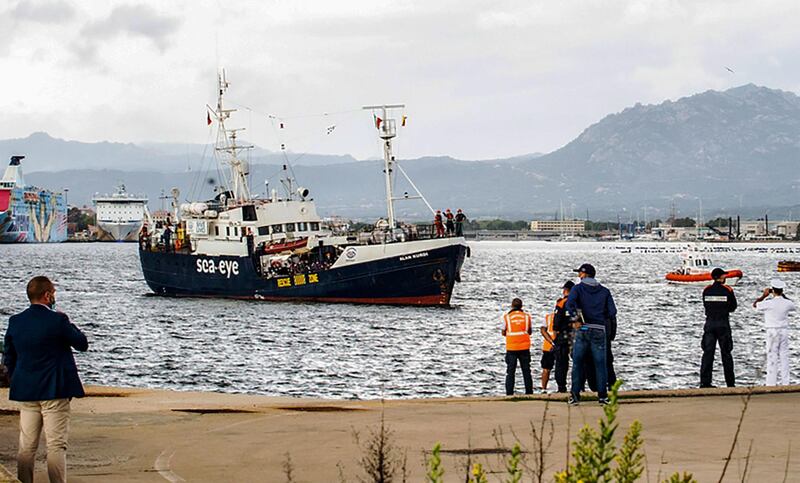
x: 348, y: 351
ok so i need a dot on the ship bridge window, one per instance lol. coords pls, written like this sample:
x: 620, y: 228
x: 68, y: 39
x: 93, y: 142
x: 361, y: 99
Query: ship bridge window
x: 216, y: 231
x: 249, y: 213
x: 263, y: 230
x: 235, y: 231
x: 277, y: 228
x: 290, y: 227
x: 302, y: 226
x: 227, y: 231
x: 314, y: 226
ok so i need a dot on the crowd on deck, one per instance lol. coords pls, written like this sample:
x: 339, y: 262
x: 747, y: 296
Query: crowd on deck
x: 583, y: 325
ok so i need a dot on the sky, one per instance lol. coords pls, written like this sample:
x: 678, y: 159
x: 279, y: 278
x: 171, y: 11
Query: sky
x: 480, y: 79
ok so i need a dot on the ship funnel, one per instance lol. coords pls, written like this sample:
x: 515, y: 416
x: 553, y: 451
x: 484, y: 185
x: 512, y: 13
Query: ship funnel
x: 13, y: 175
x: 303, y: 192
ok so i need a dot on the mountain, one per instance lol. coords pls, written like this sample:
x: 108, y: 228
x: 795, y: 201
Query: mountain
x: 728, y: 151
x: 46, y: 153
x: 718, y: 146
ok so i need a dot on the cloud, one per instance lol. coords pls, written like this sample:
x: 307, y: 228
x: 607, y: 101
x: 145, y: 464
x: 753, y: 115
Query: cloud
x: 132, y: 20
x: 54, y: 11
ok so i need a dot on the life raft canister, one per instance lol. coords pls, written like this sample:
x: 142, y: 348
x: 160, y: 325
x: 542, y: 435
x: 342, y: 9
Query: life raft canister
x: 518, y: 323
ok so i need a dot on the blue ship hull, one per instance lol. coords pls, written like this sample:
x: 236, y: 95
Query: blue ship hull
x: 30, y: 215
x: 399, y: 280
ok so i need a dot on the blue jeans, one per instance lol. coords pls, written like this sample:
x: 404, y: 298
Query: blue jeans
x: 589, y: 342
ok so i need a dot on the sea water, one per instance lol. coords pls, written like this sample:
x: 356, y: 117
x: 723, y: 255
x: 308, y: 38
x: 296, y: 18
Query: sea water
x: 354, y: 351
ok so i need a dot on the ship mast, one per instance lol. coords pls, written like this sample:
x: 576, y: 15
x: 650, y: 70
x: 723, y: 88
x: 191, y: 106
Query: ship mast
x: 387, y: 129
x: 226, y: 142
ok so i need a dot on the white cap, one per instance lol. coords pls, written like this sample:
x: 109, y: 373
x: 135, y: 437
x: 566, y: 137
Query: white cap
x: 777, y: 283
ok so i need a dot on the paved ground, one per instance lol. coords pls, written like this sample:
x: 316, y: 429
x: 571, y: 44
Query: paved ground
x: 143, y: 435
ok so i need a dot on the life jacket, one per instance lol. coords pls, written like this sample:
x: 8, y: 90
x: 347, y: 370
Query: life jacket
x: 547, y: 346
x: 437, y: 218
x: 449, y: 216
x: 517, y: 323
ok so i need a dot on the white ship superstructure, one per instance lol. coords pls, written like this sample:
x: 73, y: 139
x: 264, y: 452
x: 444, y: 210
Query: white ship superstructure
x: 120, y: 215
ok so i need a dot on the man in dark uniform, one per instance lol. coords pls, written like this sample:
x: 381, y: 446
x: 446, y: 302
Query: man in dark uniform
x: 719, y: 301
x: 563, y: 329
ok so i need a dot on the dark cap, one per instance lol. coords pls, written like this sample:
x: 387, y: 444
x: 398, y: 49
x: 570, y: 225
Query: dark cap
x: 568, y: 285
x: 586, y: 268
x: 717, y: 273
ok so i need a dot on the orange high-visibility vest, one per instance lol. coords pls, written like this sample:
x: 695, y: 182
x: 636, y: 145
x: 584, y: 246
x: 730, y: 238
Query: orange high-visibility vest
x: 518, y: 323
x: 547, y: 346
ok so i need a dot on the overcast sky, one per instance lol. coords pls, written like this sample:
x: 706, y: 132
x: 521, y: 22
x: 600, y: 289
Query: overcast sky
x: 481, y: 79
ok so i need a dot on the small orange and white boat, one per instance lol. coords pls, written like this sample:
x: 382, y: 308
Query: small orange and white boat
x: 696, y: 270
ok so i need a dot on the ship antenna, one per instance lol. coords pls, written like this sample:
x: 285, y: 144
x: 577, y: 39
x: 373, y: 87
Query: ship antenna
x: 387, y: 129
x: 227, y: 143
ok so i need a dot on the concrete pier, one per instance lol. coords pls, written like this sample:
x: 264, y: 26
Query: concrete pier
x: 120, y: 434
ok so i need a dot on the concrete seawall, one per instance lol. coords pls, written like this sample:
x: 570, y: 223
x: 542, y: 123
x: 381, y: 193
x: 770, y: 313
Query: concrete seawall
x: 120, y: 434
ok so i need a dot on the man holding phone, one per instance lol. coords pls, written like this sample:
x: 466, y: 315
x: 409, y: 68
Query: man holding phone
x: 776, y: 320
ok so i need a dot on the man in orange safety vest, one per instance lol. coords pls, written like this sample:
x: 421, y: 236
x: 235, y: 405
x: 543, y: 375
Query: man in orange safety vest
x: 516, y: 327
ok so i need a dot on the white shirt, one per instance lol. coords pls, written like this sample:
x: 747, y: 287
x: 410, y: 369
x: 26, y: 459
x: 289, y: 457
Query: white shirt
x: 776, y: 312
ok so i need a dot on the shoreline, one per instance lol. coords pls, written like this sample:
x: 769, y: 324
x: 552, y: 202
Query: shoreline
x: 133, y: 434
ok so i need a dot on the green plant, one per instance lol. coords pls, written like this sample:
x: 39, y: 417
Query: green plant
x: 478, y: 474
x: 513, y: 465
x: 630, y: 457
x: 435, y: 471
x: 595, y: 450
x: 678, y: 478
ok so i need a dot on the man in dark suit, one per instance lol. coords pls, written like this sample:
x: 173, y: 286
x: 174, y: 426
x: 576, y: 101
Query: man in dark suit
x: 44, y: 377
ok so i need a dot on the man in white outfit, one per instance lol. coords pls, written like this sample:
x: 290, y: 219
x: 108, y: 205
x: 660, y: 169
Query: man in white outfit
x: 776, y: 320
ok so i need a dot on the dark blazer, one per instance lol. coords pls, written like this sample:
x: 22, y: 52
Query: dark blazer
x: 38, y: 356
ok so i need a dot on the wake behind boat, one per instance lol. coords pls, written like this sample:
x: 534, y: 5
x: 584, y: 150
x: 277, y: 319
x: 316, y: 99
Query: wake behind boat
x: 238, y: 246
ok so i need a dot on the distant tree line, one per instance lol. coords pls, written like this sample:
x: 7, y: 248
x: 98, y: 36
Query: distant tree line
x: 81, y: 219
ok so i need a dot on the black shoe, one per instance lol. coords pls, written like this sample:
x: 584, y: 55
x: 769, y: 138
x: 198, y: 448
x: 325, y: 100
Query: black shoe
x: 603, y: 401
x: 708, y: 386
x: 572, y: 400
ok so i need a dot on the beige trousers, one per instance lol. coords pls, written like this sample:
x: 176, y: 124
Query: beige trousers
x: 53, y: 415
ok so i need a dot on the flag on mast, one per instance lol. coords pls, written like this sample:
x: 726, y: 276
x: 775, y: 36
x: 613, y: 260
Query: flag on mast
x: 208, y: 118
x: 403, y: 123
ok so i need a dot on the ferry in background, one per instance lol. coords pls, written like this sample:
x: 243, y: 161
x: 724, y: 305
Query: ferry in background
x: 29, y: 214
x: 120, y: 216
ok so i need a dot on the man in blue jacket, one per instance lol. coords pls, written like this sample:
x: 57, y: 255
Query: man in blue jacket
x: 44, y: 377
x: 591, y: 307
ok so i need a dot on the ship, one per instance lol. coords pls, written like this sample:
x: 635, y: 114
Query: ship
x: 120, y: 216
x: 279, y: 249
x: 29, y: 214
